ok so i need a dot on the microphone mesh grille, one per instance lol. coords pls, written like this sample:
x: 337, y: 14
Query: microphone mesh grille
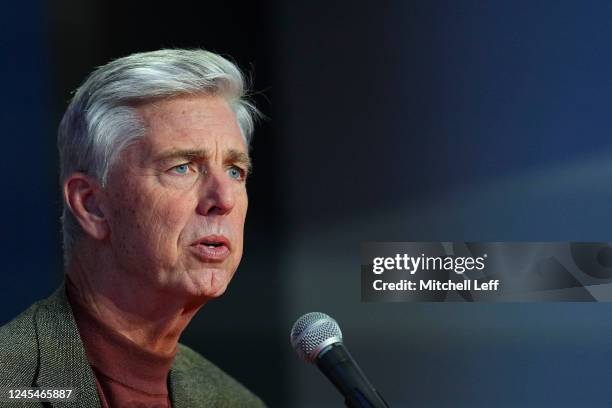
x: 311, y: 331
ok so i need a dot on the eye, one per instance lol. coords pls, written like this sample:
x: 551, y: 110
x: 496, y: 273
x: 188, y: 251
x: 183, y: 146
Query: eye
x: 181, y: 169
x: 236, y: 173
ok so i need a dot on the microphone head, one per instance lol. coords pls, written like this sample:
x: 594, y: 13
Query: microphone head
x: 312, y: 333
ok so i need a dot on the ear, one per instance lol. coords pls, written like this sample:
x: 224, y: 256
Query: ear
x: 83, y: 197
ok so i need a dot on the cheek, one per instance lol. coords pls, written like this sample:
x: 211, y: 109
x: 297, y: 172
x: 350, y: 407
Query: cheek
x: 240, y: 214
x: 242, y: 204
x: 154, y: 218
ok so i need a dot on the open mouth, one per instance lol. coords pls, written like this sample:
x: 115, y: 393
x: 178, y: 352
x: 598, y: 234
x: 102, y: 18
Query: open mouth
x: 213, y: 241
x: 212, y: 244
x: 212, y: 248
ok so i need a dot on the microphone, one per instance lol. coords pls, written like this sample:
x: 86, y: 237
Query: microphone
x: 317, y: 338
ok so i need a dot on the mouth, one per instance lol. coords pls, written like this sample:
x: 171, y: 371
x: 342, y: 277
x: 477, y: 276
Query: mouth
x: 212, y: 248
x: 211, y: 244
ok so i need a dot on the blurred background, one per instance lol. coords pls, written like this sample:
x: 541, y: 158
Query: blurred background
x: 387, y: 121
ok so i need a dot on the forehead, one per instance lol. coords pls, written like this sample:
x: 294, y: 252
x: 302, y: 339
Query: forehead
x: 189, y: 122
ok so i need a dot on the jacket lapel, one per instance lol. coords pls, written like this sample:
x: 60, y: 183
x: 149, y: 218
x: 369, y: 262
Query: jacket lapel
x: 178, y: 394
x: 190, y: 387
x: 63, y: 363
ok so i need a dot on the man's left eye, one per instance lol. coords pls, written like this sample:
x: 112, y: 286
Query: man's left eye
x: 181, y: 169
x: 236, y: 173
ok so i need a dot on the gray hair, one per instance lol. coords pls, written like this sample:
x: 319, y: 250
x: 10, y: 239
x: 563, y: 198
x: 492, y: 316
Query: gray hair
x: 101, y: 119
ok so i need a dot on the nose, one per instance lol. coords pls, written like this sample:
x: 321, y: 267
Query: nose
x: 217, y: 195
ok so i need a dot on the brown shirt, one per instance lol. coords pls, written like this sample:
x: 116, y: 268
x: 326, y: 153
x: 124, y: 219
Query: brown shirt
x: 127, y: 375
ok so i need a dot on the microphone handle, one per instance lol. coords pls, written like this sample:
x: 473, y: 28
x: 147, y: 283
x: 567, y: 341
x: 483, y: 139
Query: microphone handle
x: 342, y: 370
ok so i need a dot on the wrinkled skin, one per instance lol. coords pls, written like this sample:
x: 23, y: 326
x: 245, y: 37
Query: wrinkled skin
x: 137, y: 267
x: 157, y: 208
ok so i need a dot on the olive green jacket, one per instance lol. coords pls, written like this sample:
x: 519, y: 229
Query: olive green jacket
x: 42, y: 348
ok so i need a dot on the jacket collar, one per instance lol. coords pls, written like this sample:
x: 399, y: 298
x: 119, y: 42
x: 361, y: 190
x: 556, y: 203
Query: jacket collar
x: 62, y: 360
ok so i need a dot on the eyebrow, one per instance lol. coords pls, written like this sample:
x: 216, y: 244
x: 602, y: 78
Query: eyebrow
x: 230, y: 156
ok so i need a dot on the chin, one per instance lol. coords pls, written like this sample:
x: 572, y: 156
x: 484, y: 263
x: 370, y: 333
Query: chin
x: 214, y: 289
x: 209, y: 284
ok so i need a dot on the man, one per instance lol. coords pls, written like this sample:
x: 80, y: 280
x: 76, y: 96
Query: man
x: 153, y: 167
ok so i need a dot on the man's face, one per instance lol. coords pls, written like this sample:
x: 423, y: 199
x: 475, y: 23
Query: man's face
x: 176, y: 199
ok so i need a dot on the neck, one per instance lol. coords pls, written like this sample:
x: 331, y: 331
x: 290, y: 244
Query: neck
x: 152, y: 319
